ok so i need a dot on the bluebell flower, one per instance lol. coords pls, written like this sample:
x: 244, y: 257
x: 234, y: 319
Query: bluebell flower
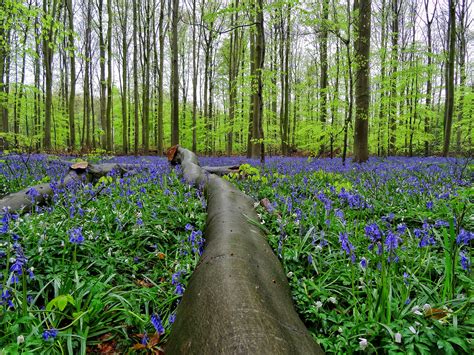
x: 188, y: 227
x: 75, y: 236
x: 33, y: 193
x: 179, y: 290
x: 172, y: 318
x: 156, y: 321
x: 145, y: 339
x: 429, y: 205
x: 346, y: 245
x: 339, y: 214
x: 310, y: 259
x: 464, y: 237
x: 50, y: 334
x: 441, y: 223
x: 363, y: 263
x: 465, y: 263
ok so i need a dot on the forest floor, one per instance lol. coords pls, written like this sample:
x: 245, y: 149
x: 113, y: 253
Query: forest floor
x: 378, y: 255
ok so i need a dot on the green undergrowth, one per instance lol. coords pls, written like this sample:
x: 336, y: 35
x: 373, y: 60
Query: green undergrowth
x: 98, y: 265
x: 380, y: 267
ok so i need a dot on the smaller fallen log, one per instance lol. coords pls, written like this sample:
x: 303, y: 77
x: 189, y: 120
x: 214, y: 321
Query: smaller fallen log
x: 222, y: 170
x: 238, y: 298
x: 23, y: 201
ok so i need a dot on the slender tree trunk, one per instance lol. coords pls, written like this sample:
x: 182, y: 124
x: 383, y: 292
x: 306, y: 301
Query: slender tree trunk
x: 233, y: 73
x: 462, y: 72
x: 48, y: 51
x: 125, y: 127
x: 108, y: 120
x: 429, y: 84
x: 174, y: 75
x: 449, y: 92
x: 72, y: 74
x: 195, y: 77
x: 258, y: 146
x: 102, y: 79
x: 161, y: 35
x: 362, y: 55
x: 135, y: 74
x: 323, y: 58
x: 393, y: 78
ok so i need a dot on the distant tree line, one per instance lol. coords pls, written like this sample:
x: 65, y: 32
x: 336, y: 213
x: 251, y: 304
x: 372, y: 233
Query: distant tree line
x: 255, y: 77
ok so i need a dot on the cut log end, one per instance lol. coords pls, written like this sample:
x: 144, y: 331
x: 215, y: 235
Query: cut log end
x: 171, y: 154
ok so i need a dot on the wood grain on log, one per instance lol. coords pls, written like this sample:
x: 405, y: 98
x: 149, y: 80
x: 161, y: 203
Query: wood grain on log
x: 238, y: 298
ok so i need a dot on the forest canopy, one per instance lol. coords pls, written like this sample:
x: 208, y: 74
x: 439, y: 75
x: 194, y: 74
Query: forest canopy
x: 239, y: 76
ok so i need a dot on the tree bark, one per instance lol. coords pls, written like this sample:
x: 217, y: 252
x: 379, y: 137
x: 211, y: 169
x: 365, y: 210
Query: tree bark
x: 195, y: 77
x: 72, y: 92
x: 323, y: 84
x: 429, y: 84
x: 108, y: 118
x: 258, y: 146
x: 238, y: 299
x: 393, y: 79
x: 449, y: 91
x: 135, y: 75
x: 362, y: 55
x: 174, y: 75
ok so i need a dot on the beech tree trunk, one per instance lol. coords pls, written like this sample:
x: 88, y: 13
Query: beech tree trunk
x: 449, y: 96
x: 362, y: 57
x: 238, y: 298
x: 174, y: 75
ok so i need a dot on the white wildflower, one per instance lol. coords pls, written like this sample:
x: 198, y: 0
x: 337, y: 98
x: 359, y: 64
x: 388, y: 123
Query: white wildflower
x: 416, y: 310
x: 363, y: 343
x: 332, y: 300
x: 20, y: 339
x: 398, y: 338
x: 412, y: 329
x: 318, y: 304
x: 290, y: 274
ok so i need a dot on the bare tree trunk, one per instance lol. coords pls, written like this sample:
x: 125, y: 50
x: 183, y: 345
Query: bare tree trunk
x: 462, y: 70
x: 258, y: 146
x: 108, y: 120
x: 323, y: 58
x: 362, y: 55
x: 195, y: 77
x: 48, y: 52
x: 123, y: 22
x: 449, y: 92
x: 393, y: 78
x: 102, y: 80
x: 135, y: 74
x: 429, y: 84
x: 72, y: 67
x: 174, y: 75
x: 161, y: 35
x: 234, y: 50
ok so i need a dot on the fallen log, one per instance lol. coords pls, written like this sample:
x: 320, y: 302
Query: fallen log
x: 122, y: 168
x: 238, y: 299
x: 24, y: 200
